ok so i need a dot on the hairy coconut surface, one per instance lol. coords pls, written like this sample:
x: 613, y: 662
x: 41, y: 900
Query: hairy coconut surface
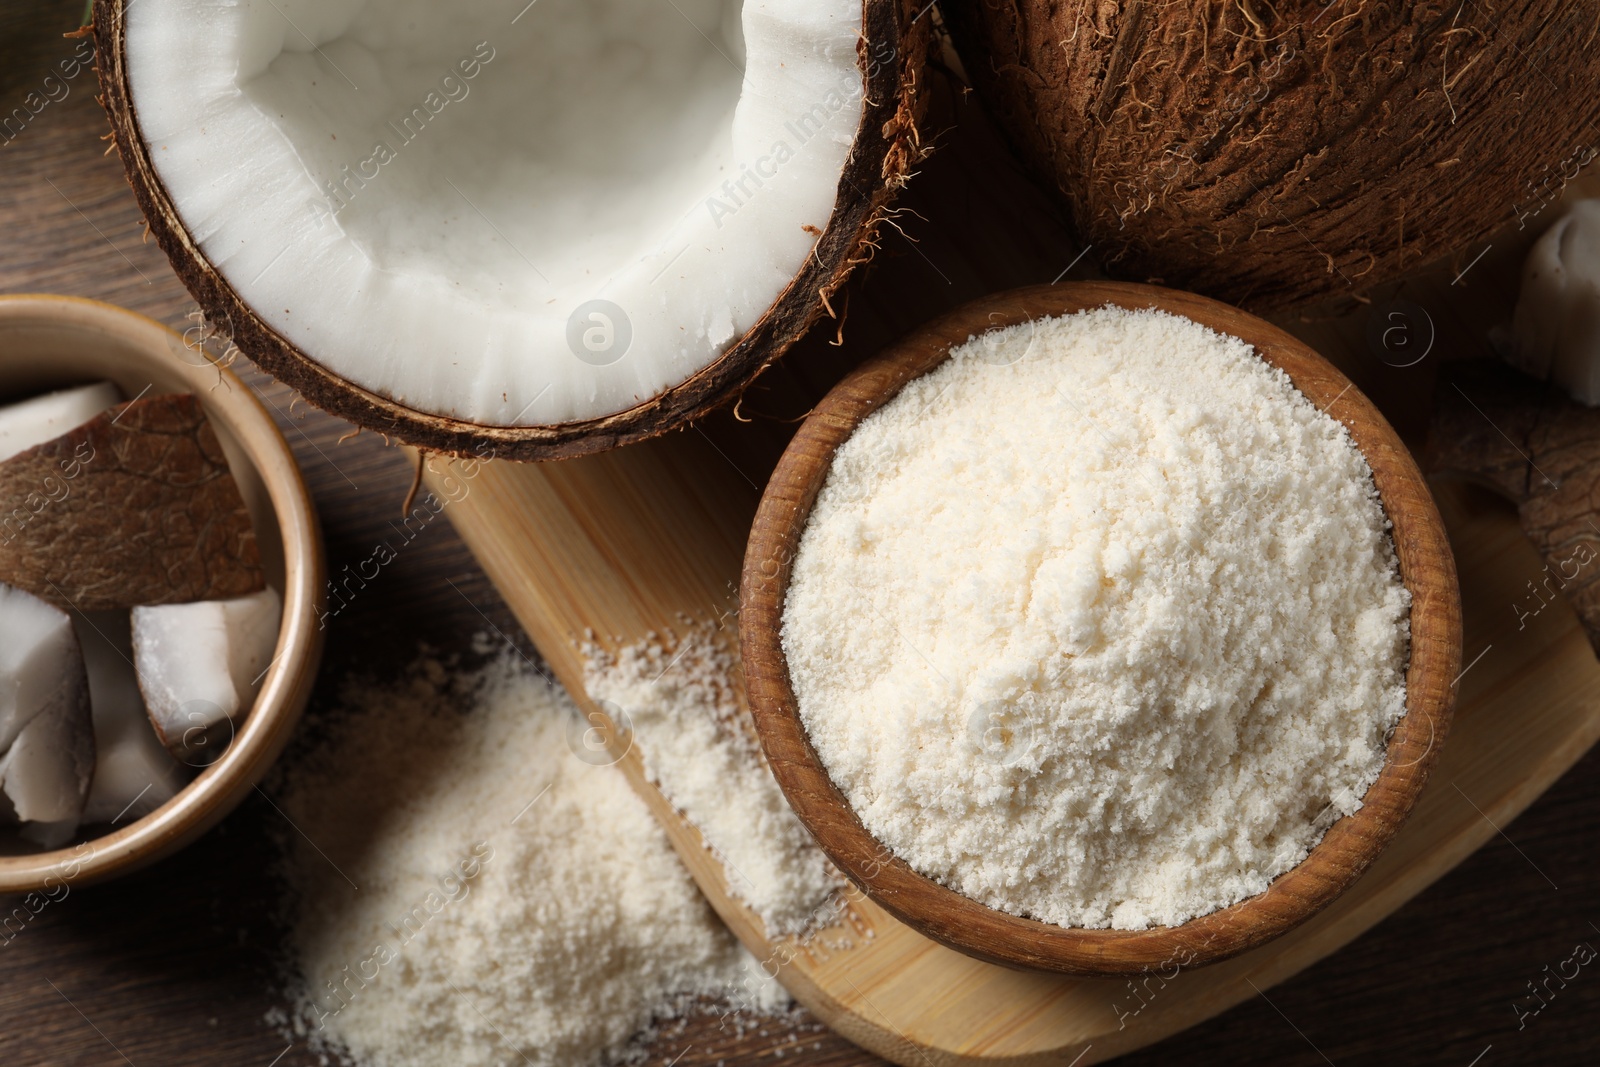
x: 438, y: 290
x: 1269, y: 154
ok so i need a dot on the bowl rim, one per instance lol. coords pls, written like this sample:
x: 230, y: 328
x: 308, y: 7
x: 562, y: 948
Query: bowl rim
x: 219, y: 787
x: 1427, y: 569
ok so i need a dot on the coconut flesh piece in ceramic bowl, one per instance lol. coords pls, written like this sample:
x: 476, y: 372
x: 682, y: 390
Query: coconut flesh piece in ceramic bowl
x: 581, y: 223
x: 200, y: 664
x: 133, y: 773
x: 46, y: 737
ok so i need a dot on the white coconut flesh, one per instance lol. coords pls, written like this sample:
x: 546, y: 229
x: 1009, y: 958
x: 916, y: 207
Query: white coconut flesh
x: 1557, y: 323
x: 44, y: 418
x: 46, y: 771
x: 133, y: 773
x: 46, y: 734
x: 41, y: 663
x: 425, y: 198
x: 201, y: 663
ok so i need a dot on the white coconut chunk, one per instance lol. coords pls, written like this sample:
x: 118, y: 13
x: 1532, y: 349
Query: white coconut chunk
x: 200, y: 664
x: 39, y: 660
x: 46, y: 771
x: 44, y: 418
x: 133, y: 773
x: 1556, y: 329
x: 427, y: 198
x: 45, y: 725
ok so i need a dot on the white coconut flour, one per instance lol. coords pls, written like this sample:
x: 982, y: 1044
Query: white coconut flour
x: 697, y: 746
x: 471, y: 892
x: 1099, y: 622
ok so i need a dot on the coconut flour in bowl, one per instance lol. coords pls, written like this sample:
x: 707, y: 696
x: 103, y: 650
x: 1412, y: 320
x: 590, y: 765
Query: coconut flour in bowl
x: 1099, y: 622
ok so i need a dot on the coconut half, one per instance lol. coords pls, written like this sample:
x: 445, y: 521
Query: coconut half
x: 550, y: 229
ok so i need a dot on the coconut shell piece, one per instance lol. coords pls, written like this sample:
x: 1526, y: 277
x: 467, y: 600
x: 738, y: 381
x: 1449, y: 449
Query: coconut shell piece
x: 136, y: 506
x: 1274, y: 153
x: 1533, y: 444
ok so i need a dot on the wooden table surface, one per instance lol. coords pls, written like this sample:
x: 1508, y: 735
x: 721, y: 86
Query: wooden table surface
x: 177, y: 965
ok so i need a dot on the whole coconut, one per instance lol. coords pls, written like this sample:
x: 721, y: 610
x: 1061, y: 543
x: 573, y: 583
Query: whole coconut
x: 1272, y: 154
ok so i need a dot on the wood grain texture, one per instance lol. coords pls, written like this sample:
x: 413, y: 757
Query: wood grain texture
x: 178, y: 964
x: 1349, y: 846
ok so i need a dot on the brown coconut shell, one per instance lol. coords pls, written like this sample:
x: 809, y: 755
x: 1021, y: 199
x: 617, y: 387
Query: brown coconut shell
x: 1271, y: 154
x: 135, y: 506
x: 892, y: 54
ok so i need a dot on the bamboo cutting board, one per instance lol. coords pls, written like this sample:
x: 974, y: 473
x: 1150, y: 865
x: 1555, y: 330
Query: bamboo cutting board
x: 635, y: 543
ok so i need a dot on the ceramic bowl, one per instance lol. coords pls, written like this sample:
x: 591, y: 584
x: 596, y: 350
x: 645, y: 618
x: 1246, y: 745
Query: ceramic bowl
x: 47, y: 342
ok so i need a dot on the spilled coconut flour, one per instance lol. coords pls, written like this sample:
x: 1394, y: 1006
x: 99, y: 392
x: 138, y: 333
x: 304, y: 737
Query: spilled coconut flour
x: 1099, y: 621
x: 478, y: 895
x: 700, y: 751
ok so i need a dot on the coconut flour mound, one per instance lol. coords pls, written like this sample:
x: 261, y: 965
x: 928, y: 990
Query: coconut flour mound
x: 699, y: 747
x: 470, y: 892
x: 1099, y: 622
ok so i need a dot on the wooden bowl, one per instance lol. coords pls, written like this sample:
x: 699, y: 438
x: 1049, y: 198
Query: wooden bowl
x: 50, y: 341
x: 1426, y: 567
